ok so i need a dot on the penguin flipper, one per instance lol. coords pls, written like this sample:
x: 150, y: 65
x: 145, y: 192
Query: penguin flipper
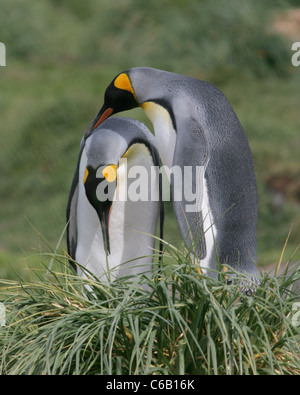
x: 192, y: 163
x: 71, y: 212
x: 72, y: 223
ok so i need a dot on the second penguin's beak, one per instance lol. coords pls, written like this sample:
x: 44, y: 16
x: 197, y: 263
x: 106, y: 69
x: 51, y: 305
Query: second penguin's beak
x: 103, y: 114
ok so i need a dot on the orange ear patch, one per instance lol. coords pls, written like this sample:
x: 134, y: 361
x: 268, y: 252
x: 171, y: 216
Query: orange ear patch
x: 122, y: 82
x: 110, y: 173
x: 86, y: 173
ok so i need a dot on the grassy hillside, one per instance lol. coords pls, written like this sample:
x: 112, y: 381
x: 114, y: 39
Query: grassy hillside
x: 62, y: 54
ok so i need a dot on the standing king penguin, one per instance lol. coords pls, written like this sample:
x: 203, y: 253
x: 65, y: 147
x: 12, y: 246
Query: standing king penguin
x: 195, y: 125
x: 107, y: 233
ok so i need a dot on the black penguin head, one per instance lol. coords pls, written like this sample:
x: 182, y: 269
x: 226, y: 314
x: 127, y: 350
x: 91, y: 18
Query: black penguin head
x: 119, y: 96
x: 133, y: 88
x: 100, y: 186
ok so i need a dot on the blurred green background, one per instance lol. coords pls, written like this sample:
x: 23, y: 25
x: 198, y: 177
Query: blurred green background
x: 61, y: 54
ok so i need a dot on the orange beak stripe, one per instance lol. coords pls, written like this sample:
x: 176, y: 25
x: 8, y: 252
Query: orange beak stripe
x: 103, y: 117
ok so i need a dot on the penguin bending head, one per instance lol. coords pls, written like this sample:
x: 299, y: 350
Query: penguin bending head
x: 108, y: 233
x: 195, y: 125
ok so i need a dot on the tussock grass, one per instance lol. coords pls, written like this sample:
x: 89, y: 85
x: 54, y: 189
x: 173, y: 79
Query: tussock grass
x: 178, y: 322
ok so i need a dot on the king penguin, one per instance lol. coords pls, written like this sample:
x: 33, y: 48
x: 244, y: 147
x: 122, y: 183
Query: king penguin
x: 195, y: 125
x: 110, y: 233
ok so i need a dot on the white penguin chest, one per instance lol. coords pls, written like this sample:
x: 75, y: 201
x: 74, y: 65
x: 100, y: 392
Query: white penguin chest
x: 165, y: 135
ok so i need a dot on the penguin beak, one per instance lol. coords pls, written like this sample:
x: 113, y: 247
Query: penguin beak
x: 104, y: 214
x: 103, y: 114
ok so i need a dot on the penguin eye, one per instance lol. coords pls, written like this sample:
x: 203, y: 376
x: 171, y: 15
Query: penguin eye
x: 110, y: 173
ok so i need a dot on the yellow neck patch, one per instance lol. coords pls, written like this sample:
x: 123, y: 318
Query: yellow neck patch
x: 128, y: 152
x: 122, y: 82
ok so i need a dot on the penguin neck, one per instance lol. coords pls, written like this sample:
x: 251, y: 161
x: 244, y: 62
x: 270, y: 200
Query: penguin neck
x: 165, y: 134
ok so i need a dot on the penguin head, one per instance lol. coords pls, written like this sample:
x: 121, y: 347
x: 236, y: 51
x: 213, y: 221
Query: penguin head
x: 130, y: 89
x: 100, y: 186
x: 119, y: 96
